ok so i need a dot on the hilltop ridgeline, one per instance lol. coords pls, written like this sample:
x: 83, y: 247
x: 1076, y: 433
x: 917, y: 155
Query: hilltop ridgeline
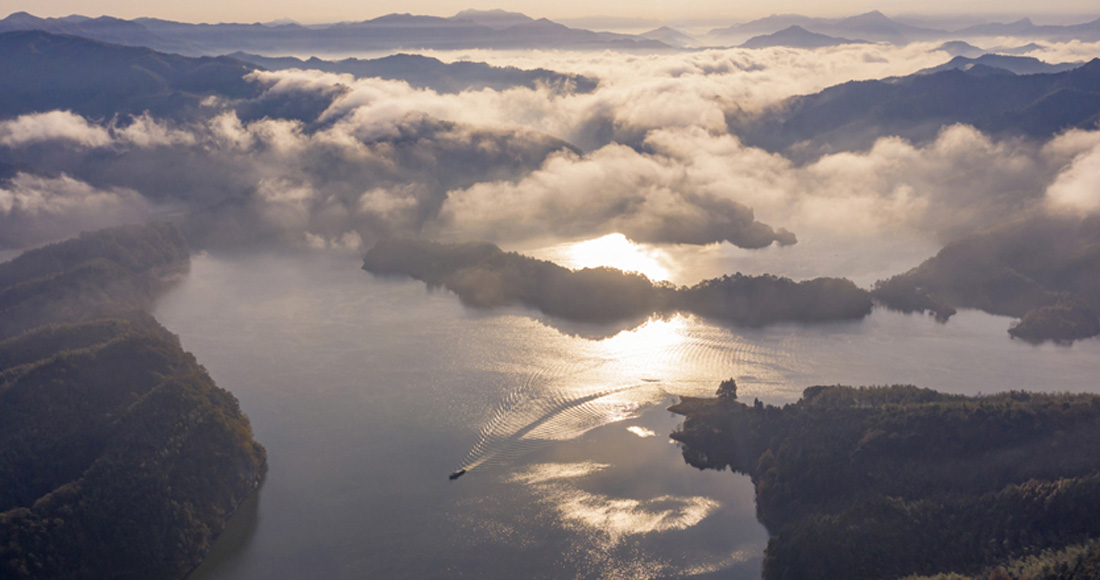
x: 1044, y: 270
x: 425, y: 72
x: 885, y: 482
x: 986, y: 94
x: 44, y: 72
x: 470, y: 29
x: 484, y: 276
x: 119, y: 456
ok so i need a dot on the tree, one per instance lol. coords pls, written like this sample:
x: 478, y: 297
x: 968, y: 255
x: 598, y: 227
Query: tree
x: 727, y: 390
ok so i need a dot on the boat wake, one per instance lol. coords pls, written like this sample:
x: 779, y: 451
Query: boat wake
x: 557, y: 417
x: 591, y: 384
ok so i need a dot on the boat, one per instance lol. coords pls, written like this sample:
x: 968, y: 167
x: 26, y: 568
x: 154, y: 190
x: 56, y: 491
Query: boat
x: 457, y: 474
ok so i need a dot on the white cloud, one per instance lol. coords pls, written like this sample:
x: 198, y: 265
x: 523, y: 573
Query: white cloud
x: 52, y: 126
x: 1077, y: 188
x: 36, y: 209
x: 659, y: 164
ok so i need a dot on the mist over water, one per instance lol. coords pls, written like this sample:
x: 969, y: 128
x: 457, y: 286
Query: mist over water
x: 686, y: 265
x: 681, y: 165
x: 367, y: 392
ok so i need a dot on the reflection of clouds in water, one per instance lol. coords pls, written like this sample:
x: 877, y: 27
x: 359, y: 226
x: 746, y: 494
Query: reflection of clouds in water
x: 641, y: 431
x: 615, y: 517
x: 606, y: 522
x: 619, y: 517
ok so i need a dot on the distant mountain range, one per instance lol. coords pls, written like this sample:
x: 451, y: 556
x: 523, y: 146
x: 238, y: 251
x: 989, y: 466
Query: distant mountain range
x: 431, y: 73
x: 43, y: 72
x: 1020, y: 65
x: 996, y: 100
x: 960, y: 48
x: 877, y: 27
x: 872, y: 26
x: 499, y: 29
x: 670, y: 36
x: 797, y: 37
x: 1024, y: 27
x: 468, y: 29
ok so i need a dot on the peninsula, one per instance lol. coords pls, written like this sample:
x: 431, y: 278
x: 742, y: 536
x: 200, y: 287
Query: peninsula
x: 119, y: 456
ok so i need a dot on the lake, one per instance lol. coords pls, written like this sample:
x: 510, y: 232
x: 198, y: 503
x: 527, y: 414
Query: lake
x: 368, y: 392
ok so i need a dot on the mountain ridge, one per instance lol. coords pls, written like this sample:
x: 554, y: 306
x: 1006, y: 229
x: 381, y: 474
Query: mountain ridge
x: 852, y: 115
x: 391, y: 31
x: 795, y: 36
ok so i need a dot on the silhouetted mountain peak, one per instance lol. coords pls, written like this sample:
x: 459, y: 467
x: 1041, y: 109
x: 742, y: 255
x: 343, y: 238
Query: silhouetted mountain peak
x: 795, y: 36
x: 1091, y: 67
x: 872, y: 16
x: 394, y: 18
x: 20, y: 20
x: 669, y: 36
x: 411, y: 20
x: 496, y: 18
x: 985, y: 70
x: 541, y: 25
x: 1021, y: 65
x: 875, y: 20
x: 958, y: 48
x: 282, y: 22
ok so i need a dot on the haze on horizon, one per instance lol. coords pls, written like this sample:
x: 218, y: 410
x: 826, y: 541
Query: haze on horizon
x: 326, y: 11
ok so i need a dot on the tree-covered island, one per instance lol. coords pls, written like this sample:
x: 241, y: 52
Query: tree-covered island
x: 483, y: 275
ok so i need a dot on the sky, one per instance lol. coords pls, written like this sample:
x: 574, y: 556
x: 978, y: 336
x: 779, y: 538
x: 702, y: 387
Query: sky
x: 318, y: 11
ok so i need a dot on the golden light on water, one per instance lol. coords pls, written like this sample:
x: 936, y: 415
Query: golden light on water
x: 641, y: 431
x: 650, y: 344
x: 612, y: 250
x: 613, y: 517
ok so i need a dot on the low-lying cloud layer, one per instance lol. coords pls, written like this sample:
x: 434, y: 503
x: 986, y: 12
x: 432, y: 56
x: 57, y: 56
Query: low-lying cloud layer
x: 37, y: 209
x: 326, y: 160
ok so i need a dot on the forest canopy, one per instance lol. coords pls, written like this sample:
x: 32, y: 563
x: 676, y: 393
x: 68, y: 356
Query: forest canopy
x: 884, y: 482
x: 119, y: 456
x: 483, y: 275
x: 1044, y: 270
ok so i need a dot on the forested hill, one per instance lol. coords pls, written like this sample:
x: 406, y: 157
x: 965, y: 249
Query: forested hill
x: 851, y: 116
x: 883, y: 482
x: 43, y: 72
x: 109, y: 273
x: 119, y: 456
x: 484, y: 276
x: 1044, y: 270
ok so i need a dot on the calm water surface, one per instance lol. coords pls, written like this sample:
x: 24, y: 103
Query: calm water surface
x: 367, y: 392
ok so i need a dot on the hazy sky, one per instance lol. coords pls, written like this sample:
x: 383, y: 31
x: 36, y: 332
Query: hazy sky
x: 336, y: 10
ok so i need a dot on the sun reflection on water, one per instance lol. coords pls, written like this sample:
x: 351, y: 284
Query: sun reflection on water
x: 612, y: 250
x: 571, y: 391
